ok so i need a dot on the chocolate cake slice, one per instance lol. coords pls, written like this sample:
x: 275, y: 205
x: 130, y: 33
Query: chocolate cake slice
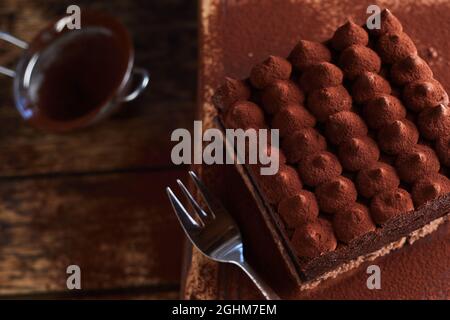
x: 365, y: 144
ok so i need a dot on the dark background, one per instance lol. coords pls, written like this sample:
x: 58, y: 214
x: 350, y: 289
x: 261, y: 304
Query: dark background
x: 96, y: 197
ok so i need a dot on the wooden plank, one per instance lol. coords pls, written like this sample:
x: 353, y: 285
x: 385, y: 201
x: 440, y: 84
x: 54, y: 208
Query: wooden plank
x: 118, y: 228
x: 139, y: 135
x: 140, y: 141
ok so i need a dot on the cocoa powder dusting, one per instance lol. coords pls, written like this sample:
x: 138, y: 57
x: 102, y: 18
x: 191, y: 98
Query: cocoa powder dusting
x: 251, y: 29
x: 319, y: 20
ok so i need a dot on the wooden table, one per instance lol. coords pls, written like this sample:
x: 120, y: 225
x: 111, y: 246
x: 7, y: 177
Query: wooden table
x: 96, y: 198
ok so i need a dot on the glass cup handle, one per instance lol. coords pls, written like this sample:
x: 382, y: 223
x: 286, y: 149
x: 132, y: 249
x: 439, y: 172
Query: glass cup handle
x: 145, y: 79
x: 15, y: 41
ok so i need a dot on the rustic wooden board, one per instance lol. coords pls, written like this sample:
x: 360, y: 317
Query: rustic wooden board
x: 123, y: 234
x: 96, y: 197
x: 139, y: 141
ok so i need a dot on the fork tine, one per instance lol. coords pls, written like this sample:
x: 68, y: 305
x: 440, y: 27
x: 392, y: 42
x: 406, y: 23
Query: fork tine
x: 200, y: 212
x: 188, y: 223
x: 212, y: 203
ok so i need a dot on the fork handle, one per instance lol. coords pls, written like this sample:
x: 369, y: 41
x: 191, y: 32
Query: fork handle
x: 266, y: 291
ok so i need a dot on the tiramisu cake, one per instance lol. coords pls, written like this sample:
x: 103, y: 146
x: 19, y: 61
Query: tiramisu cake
x: 365, y: 145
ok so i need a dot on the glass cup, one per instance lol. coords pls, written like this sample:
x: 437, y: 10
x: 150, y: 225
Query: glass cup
x: 68, y: 79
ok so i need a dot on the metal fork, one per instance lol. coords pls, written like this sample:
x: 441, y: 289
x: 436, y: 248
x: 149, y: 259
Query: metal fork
x: 215, y: 234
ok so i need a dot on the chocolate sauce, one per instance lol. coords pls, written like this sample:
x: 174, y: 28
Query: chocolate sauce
x: 76, y: 74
